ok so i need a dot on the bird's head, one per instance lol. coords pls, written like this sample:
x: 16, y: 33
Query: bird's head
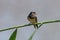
x: 32, y: 14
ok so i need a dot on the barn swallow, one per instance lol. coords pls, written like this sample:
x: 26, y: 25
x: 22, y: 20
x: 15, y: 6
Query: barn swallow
x: 33, y: 19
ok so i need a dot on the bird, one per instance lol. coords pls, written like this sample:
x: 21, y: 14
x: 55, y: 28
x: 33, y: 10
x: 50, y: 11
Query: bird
x: 32, y: 18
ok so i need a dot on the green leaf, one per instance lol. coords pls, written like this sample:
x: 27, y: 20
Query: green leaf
x: 13, y: 36
x: 30, y: 38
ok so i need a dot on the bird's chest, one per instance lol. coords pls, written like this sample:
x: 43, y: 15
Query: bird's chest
x: 33, y: 20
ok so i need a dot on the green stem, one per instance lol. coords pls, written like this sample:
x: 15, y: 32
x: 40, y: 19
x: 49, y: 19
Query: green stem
x: 16, y: 27
x: 51, y: 21
x: 30, y: 24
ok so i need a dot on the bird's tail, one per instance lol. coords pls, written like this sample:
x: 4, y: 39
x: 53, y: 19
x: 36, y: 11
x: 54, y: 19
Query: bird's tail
x: 36, y: 26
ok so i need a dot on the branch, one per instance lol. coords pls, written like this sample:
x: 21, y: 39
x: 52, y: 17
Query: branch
x: 30, y: 25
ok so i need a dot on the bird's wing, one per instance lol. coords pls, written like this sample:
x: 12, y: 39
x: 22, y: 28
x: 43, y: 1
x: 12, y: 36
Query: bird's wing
x: 36, y: 19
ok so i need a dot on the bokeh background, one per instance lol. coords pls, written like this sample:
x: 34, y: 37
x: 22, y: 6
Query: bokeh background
x: 14, y: 13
